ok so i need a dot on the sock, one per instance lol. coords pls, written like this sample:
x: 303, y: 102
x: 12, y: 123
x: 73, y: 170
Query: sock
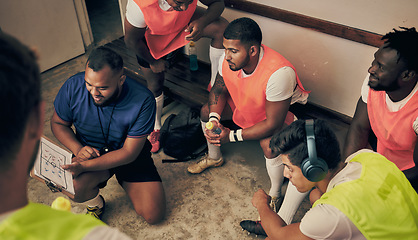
x: 214, y: 152
x: 96, y: 201
x: 275, y: 171
x: 292, y: 200
x: 159, y: 110
x: 214, y: 55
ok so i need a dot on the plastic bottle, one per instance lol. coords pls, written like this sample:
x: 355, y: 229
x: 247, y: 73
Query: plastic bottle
x: 61, y: 203
x: 210, y: 126
x: 193, y: 56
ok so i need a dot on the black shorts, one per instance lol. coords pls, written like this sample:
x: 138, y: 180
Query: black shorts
x: 140, y: 170
x: 170, y: 58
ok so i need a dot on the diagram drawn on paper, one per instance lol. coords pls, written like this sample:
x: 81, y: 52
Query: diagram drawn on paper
x: 51, y: 162
x: 48, y: 164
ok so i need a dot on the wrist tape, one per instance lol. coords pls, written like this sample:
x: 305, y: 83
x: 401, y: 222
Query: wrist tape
x: 213, y: 116
x: 236, y: 136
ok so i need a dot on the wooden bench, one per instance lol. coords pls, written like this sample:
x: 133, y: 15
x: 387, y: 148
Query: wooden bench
x: 190, y: 87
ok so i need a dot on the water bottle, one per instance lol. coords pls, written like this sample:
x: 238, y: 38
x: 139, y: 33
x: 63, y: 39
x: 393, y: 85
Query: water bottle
x: 193, y: 56
x: 210, y: 126
x: 61, y: 203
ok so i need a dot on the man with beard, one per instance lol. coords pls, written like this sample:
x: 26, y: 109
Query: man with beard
x: 21, y: 128
x: 112, y: 116
x: 388, y: 106
x: 254, y: 87
x: 155, y: 29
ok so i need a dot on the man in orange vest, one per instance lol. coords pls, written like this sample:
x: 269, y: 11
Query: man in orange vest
x: 156, y: 28
x: 255, y: 86
x: 388, y: 106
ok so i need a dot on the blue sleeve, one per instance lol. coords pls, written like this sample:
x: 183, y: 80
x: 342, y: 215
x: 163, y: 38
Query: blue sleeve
x: 62, y: 102
x: 144, y: 123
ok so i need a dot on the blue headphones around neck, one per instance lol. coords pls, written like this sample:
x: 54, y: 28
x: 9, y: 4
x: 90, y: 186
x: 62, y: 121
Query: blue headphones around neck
x: 313, y: 168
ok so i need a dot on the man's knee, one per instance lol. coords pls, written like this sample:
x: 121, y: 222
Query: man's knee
x: 265, y: 146
x: 86, y: 185
x: 83, y: 194
x: 219, y: 27
x: 153, y: 215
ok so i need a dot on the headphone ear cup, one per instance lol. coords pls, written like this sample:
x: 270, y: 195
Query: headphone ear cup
x: 314, y: 172
x: 304, y: 167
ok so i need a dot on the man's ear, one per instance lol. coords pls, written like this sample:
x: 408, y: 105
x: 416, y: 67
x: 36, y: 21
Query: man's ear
x: 35, y: 123
x: 408, y: 75
x: 122, y: 80
x: 253, y: 50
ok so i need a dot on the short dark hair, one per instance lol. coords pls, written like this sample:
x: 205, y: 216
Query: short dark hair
x: 405, y: 41
x: 102, y: 56
x: 292, y: 142
x: 20, y: 92
x: 244, y: 29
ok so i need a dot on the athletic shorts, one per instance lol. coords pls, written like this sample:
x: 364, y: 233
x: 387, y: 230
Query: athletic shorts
x: 140, y: 170
x: 170, y: 58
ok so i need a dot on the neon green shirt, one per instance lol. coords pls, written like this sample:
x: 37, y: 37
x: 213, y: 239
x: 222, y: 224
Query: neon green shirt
x: 37, y: 221
x: 381, y: 203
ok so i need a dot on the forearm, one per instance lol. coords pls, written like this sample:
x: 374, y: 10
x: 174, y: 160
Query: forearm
x: 259, y: 131
x: 276, y: 113
x: 218, y: 96
x: 217, y: 105
x: 66, y: 136
x: 270, y: 221
x: 131, y: 149
x: 212, y: 13
x: 107, y: 161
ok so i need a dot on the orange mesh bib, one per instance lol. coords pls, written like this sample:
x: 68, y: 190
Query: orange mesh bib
x: 395, y: 136
x: 249, y: 94
x: 165, y: 29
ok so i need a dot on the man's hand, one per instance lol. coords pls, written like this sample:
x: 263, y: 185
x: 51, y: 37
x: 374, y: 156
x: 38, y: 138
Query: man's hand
x: 159, y: 66
x: 195, y: 29
x: 260, y: 198
x: 87, y: 152
x: 76, y: 168
x: 217, y: 139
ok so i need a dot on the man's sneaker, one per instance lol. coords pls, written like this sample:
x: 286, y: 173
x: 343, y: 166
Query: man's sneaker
x: 154, y: 138
x: 253, y: 227
x: 204, y: 163
x: 276, y: 203
x: 96, y: 211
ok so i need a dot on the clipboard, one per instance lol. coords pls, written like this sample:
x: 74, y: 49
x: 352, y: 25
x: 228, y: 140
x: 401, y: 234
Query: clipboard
x: 47, y: 167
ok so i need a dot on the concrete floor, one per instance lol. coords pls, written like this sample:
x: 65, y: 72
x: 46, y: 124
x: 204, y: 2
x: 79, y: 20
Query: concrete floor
x: 205, y: 206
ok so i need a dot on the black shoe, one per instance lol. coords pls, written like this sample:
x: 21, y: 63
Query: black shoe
x: 253, y: 227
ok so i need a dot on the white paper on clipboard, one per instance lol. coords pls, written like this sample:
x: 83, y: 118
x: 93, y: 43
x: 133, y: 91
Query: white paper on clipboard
x: 48, y: 164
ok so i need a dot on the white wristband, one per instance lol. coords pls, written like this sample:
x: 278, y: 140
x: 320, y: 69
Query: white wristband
x: 214, y: 116
x: 239, y: 135
x: 231, y: 136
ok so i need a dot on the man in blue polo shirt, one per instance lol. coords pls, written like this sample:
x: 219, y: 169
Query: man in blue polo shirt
x: 21, y: 128
x: 112, y: 116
